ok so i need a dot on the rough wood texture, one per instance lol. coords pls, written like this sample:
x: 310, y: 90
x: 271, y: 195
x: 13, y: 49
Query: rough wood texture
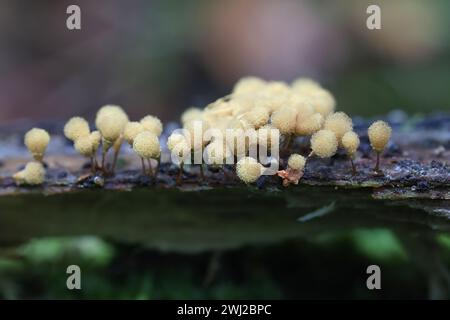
x: 221, y: 213
x: 415, y: 165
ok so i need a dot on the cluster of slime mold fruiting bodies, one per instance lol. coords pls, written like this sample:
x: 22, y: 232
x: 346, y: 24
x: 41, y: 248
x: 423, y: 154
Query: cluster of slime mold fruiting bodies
x: 218, y: 134
x: 300, y: 109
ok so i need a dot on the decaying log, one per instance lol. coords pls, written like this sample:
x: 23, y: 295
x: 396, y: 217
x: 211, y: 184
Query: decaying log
x: 415, y: 165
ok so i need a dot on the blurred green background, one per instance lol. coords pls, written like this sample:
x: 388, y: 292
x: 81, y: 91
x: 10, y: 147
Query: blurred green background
x: 328, y: 266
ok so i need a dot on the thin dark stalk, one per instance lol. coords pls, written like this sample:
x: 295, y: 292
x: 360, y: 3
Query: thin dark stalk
x: 116, y: 156
x: 96, y: 162
x: 103, y: 160
x: 180, y: 174
x: 353, y: 166
x: 93, y: 165
x: 202, y: 174
x: 143, y: 166
x: 150, y: 169
x: 225, y: 173
x: 157, y: 167
x: 290, y: 142
x: 377, y: 166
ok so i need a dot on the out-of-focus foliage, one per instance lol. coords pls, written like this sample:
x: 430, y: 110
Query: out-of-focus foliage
x: 330, y: 267
x: 91, y: 249
x: 379, y: 245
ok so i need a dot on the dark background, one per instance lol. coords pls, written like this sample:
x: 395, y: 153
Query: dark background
x: 161, y: 57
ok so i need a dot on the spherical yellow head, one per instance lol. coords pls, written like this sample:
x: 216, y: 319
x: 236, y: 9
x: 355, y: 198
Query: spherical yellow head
x: 152, y: 124
x: 309, y: 125
x: 146, y: 145
x: 339, y: 123
x: 75, y: 128
x: 324, y: 143
x: 285, y: 120
x: 36, y: 140
x: 296, y: 162
x: 350, y: 141
x: 248, y: 170
x: 132, y: 129
x: 379, y: 134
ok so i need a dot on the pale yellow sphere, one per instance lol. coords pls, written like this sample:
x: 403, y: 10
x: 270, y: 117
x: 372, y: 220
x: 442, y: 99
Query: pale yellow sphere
x: 277, y: 88
x: 296, y: 162
x: 271, y: 102
x: 248, y: 170
x: 323, y: 101
x: 285, y: 120
x: 132, y: 129
x: 33, y: 174
x: 239, y: 107
x: 350, y: 141
x: 305, y: 85
x: 222, y: 108
x: 37, y: 140
x: 310, y: 125
x: 249, y: 85
x: 324, y: 143
x: 213, y: 116
x: 257, y: 117
x: 146, y: 145
x: 379, y: 135
x: 110, y: 127
x: 220, y: 123
x: 175, y: 139
x: 245, y: 102
x: 152, y: 124
x: 191, y: 114
x: 339, y: 123
x: 112, y: 110
x: 96, y: 138
x: 302, y: 104
x: 75, y: 128
x: 84, y: 146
